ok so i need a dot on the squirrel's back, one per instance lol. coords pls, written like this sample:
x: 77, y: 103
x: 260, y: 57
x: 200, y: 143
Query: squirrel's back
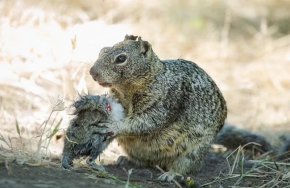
x: 182, y: 87
x: 200, y: 97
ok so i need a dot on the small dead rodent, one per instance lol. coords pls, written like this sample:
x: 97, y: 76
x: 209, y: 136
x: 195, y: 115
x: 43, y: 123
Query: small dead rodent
x: 83, y: 136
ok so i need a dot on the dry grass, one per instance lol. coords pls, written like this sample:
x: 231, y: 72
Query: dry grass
x: 32, y: 151
x: 47, y: 48
x: 264, y: 172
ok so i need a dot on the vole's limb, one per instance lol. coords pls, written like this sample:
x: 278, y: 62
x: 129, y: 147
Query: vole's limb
x: 66, y: 163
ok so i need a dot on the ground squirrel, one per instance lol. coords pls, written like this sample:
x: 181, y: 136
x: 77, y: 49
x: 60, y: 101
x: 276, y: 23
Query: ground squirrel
x: 83, y: 137
x: 173, y: 108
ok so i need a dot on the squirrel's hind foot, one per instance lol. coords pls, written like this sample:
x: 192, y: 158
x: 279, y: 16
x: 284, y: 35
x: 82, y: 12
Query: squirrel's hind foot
x: 170, y: 176
x: 95, y: 166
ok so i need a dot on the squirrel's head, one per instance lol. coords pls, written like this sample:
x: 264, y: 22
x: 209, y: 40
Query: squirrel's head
x: 124, y: 63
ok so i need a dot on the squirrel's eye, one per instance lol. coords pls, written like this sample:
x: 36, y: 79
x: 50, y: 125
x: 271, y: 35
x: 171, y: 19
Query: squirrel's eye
x: 121, y: 59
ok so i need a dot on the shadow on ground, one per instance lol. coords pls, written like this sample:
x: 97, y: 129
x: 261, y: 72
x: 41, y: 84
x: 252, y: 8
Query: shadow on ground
x: 24, y: 176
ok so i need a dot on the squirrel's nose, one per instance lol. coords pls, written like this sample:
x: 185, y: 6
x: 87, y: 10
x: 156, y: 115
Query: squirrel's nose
x: 93, y: 72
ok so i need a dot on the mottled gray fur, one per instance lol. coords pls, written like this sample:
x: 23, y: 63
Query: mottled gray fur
x: 174, y: 108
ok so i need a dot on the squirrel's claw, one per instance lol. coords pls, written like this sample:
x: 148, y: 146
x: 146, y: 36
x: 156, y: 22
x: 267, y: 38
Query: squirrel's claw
x: 169, y: 176
x: 111, y: 128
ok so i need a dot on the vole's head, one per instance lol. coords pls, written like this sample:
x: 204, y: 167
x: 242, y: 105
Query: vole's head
x: 92, y: 109
x: 123, y: 63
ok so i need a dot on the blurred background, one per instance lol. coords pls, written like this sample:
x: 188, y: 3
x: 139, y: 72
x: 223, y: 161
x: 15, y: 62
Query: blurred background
x: 47, y: 48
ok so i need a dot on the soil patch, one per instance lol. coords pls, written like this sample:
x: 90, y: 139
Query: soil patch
x: 213, y: 174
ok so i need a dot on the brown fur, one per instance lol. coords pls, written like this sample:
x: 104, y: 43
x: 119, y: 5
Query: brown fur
x: 174, y: 109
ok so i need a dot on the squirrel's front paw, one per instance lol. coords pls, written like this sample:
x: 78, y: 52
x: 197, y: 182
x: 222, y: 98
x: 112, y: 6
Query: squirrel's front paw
x: 112, y: 128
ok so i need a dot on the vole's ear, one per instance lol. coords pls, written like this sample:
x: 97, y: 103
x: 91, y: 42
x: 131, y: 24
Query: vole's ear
x: 144, y: 46
x: 130, y: 37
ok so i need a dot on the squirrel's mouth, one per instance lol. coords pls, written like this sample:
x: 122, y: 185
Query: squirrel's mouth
x: 104, y: 84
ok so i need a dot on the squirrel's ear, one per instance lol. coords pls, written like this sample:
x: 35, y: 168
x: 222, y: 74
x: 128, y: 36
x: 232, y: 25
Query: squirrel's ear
x: 144, y: 45
x: 130, y: 37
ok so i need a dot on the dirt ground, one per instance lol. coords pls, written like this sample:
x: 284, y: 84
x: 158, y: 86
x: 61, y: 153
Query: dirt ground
x: 213, y: 174
x: 22, y: 176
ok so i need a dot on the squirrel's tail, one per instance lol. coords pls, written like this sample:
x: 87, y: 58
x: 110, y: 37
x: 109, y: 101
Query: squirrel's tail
x: 232, y: 137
